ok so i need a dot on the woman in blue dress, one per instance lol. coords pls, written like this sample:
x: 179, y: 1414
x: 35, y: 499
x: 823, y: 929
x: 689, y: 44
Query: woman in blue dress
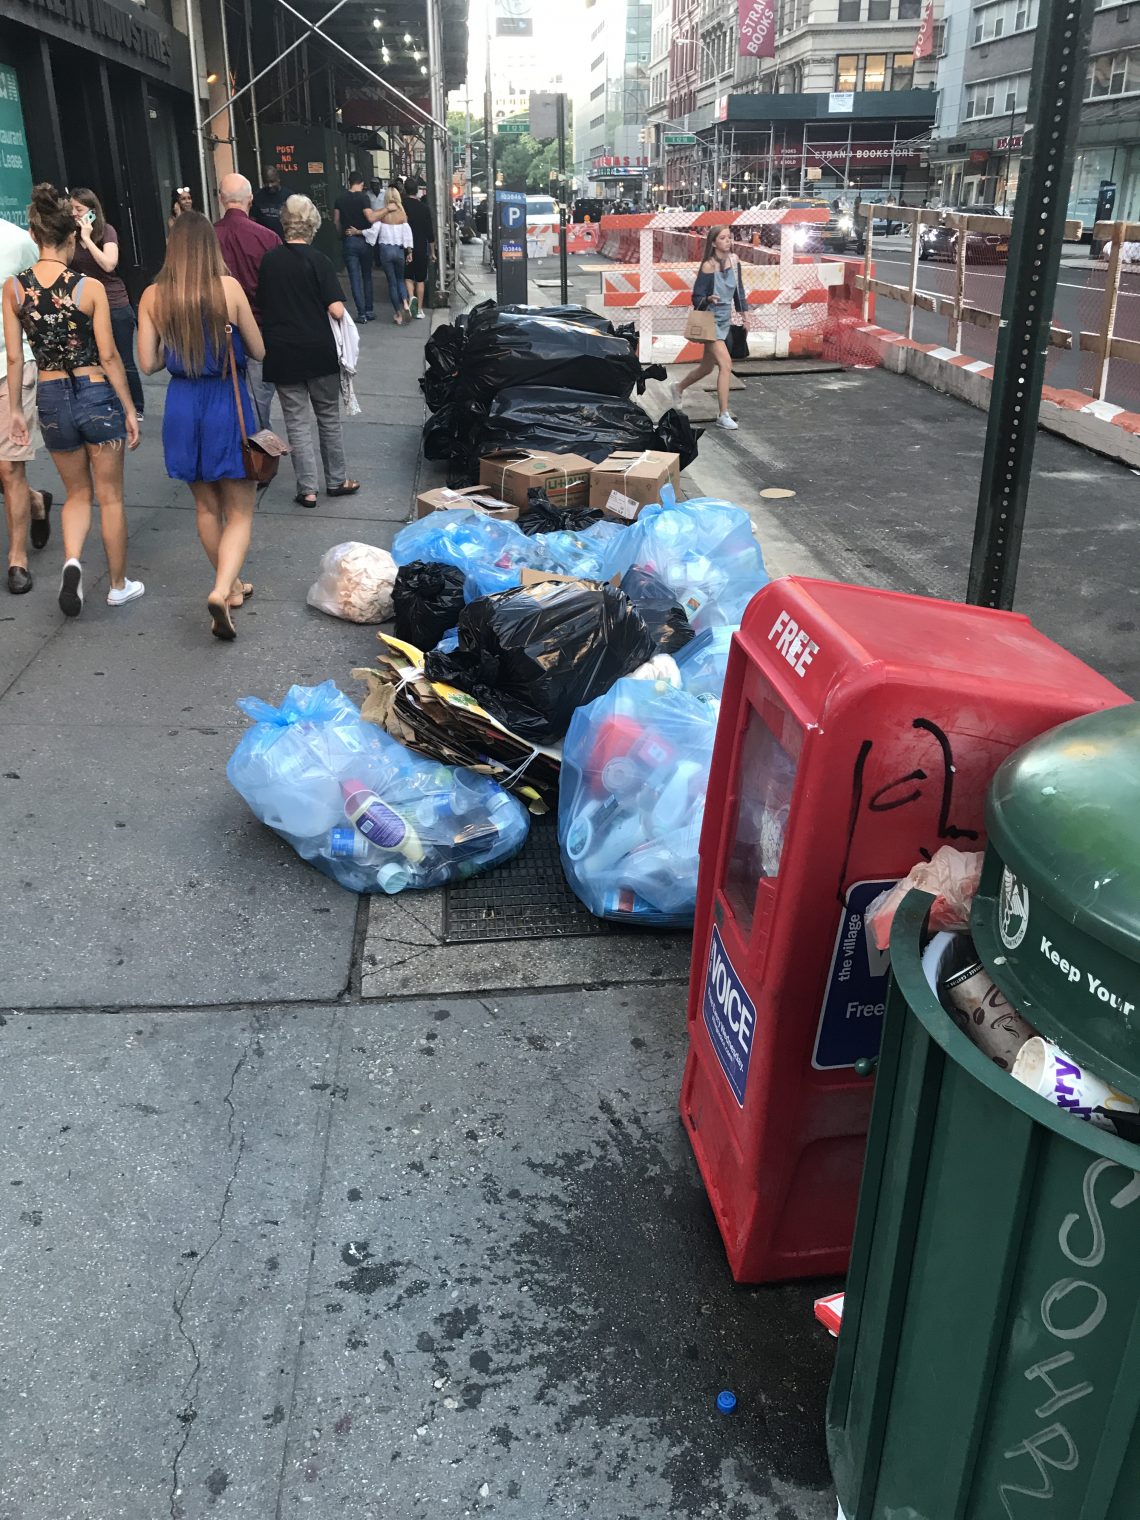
x: 718, y: 288
x: 187, y: 320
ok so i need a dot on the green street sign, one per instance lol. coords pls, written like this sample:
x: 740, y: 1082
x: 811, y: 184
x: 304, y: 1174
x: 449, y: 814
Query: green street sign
x: 679, y: 139
x: 512, y: 128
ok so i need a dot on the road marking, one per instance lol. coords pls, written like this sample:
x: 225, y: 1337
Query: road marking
x: 985, y: 274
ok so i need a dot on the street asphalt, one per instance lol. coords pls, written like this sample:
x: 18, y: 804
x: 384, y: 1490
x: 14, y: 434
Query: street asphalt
x: 321, y: 1243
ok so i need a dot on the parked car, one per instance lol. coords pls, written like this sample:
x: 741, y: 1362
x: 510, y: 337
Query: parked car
x: 839, y: 234
x: 941, y: 241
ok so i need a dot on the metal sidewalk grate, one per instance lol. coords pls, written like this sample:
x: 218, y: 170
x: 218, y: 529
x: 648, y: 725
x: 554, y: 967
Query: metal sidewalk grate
x: 528, y: 898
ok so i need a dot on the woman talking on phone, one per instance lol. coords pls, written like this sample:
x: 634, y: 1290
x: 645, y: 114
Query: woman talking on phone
x: 97, y: 255
x: 718, y: 288
x: 85, y: 409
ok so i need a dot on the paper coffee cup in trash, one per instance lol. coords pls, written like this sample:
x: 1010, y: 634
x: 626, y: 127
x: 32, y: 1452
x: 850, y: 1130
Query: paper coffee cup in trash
x: 986, y: 1015
x: 1048, y: 1071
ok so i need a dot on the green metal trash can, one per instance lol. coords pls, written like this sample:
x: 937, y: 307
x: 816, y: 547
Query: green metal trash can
x: 988, y: 1365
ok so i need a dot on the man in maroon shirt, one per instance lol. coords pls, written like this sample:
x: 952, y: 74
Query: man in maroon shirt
x: 244, y: 244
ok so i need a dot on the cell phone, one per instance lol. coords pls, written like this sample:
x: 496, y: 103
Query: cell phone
x: 89, y: 218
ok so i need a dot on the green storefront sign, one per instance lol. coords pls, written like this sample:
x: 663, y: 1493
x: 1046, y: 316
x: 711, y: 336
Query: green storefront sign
x: 15, y: 170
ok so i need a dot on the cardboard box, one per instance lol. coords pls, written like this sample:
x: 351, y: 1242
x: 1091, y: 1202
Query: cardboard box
x: 443, y: 499
x: 633, y: 480
x: 512, y: 473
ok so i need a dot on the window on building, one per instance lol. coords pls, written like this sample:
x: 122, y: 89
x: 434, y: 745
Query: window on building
x: 875, y: 71
x: 902, y: 71
x: 1113, y: 74
x: 993, y: 21
x: 997, y: 97
x: 597, y: 91
x: 847, y: 71
x: 910, y: 10
x: 849, y: 10
x: 878, y: 10
x: 598, y: 61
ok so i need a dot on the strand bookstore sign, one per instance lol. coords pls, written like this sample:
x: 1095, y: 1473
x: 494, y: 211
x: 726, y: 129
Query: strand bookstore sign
x: 756, y: 27
x: 125, y: 34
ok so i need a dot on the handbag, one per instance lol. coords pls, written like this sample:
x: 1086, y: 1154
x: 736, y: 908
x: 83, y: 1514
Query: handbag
x: 700, y: 327
x: 261, y: 454
x: 737, y: 343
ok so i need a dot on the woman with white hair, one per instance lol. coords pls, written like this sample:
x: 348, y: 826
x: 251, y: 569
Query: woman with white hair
x: 297, y: 292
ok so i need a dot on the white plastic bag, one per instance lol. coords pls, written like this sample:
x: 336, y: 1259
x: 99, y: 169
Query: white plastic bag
x: 355, y: 582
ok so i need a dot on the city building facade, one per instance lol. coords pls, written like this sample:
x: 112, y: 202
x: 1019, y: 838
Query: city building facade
x: 611, y: 100
x: 984, y: 78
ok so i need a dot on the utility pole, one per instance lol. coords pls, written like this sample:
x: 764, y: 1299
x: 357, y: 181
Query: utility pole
x: 564, y: 289
x: 1060, y: 60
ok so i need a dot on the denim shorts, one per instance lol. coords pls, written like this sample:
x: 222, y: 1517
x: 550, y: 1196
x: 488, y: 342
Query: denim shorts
x: 83, y: 409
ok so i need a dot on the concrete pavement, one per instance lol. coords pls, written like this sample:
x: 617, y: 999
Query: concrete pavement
x: 278, y: 1238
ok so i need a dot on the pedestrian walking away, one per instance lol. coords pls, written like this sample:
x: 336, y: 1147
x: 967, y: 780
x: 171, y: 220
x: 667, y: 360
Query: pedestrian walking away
x: 97, y: 255
x: 244, y: 244
x: 718, y: 288
x: 423, y: 244
x: 85, y: 409
x: 297, y: 293
x: 188, y: 321
x: 394, y: 247
x: 268, y: 201
x: 23, y: 507
x: 353, y: 215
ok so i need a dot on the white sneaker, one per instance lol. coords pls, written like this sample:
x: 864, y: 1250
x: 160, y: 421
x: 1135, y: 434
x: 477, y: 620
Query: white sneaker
x: 130, y: 589
x: 725, y: 421
x: 420, y: 317
x: 71, y: 588
x: 677, y: 394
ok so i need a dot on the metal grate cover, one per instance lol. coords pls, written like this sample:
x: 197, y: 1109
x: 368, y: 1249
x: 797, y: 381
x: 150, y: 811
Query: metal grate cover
x: 528, y: 898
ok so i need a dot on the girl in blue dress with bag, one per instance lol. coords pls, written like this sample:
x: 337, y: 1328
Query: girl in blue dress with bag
x: 719, y: 287
x: 196, y: 320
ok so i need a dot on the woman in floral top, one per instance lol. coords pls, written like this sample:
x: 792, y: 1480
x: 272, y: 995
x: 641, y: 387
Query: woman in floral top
x: 85, y: 409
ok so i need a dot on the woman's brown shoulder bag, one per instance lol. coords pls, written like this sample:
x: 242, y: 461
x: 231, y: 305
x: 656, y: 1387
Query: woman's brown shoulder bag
x: 262, y: 453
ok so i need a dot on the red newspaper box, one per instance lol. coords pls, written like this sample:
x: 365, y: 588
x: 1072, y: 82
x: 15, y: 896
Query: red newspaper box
x: 858, y: 733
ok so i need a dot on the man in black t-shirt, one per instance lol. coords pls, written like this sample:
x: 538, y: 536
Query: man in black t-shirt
x: 352, y: 214
x: 423, y: 242
x: 268, y: 201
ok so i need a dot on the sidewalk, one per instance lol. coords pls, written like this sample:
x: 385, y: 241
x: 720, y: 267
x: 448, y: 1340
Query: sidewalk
x: 270, y: 1247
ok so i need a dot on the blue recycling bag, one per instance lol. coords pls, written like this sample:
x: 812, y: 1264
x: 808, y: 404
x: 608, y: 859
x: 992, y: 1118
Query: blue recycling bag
x: 703, y: 663
x: 490, y: 551
x: 362, y: 808
x: 635, y: 769
x: 703, y: 550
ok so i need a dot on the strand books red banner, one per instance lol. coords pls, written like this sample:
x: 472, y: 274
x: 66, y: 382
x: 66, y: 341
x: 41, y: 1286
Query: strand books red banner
x: 757, y: 28
x: 924, y: 42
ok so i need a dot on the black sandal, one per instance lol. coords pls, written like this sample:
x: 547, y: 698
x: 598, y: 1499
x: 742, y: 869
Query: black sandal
x: 346, y: 488
x: 41, y: 526
x: 306, y: 498
x: 221, y: 623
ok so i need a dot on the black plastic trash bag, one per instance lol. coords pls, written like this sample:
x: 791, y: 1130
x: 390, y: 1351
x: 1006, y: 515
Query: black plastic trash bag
x: 443, y: 432
x: 668, y: 626
x: 539, y: 350
x: 428, y: 599
x: 533, y: 655
x: 441, y: 359
x: 542, y: 516
x: 570, y: 422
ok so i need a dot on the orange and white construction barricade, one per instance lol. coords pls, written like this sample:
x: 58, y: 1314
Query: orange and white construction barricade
x: 786, y: 300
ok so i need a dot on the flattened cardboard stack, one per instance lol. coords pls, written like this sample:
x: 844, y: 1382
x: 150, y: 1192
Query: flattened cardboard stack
x: 448, y: 724
x: 444, y: 499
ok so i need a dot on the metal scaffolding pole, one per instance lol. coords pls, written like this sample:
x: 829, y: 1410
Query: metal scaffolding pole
x: 252, y: 96
x: 269, y: 67
x: 438, y: 147
x: 196, y: 91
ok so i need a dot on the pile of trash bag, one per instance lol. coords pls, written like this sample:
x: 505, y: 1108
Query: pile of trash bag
x: 428, y: 599
x: 667, y: 622
x: 493, y: 346
x: 531, y: 657
x: 542, y: 516
x: 362, y: 808
x: 635, y: 769
x: 489, y: 550
x: 562, y: 421
x: 703, y: 663
x: 354, y: 581
x: 704, y: 551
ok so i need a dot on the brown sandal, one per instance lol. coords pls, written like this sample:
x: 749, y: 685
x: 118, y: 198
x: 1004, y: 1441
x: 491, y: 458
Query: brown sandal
x: 346, y: 488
